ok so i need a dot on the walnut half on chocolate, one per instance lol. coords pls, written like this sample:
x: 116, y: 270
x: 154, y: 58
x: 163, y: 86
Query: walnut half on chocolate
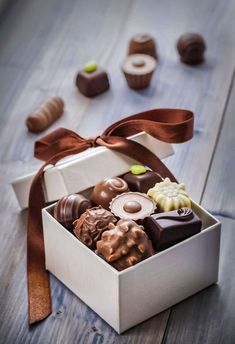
x: 124, y: 245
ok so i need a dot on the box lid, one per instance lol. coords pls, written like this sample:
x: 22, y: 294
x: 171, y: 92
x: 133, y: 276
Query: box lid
x: 81, y: 171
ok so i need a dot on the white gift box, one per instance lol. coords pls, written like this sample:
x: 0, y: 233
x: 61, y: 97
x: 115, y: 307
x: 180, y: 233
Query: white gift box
x: 123, y: 299
x: 81, y: 171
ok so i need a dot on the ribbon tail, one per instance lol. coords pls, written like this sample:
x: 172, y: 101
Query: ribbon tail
x: 39, y: 296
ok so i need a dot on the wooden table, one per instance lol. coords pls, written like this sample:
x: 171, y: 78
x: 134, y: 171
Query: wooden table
x: 42, y: 45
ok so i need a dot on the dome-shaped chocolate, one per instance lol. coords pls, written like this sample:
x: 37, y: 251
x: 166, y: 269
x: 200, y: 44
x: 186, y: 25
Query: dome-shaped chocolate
x: 69, y: 208
x: 104, y: 192
x: 191, y: 48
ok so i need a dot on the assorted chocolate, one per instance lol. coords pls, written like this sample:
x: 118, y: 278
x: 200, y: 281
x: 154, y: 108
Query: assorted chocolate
x: 47, y: 113
x: 70, y: 208
x: 92, y: 80
x: 143, y: 43
x: 167, y: 229
x: 124, y: 244
x: 132, y: 205
x: 138, y: 70
x: 169, y: 195
x: 191, y: 48
x: 141, y: 180
x: 91, y: 224
x: 104, y: 192
x: 112, y: 227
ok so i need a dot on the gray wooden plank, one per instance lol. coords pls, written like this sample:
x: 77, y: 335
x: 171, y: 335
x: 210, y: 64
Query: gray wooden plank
x: 209, y: 316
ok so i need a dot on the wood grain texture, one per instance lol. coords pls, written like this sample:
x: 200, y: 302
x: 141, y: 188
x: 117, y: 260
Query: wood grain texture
x: 42, y: 45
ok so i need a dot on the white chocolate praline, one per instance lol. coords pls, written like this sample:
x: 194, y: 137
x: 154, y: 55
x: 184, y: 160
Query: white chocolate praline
x: 169, y: 195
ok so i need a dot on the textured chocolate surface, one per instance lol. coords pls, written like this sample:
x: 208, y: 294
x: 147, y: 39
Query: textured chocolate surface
x: 191, y: 48
x: 142, y: 43
x: 69, y: 208
x: 167, y: 229
x: 169, y: 195
x: 132, y: 205
x: 142, y: 182
x: 91, y: 224
x: 45, y: 115
x: 104, y: 192
x: 124, y: 245
x: 90, y: 84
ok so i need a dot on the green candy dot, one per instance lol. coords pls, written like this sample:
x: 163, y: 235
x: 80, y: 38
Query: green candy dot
x: 90, y: 66
x: 138, y: 169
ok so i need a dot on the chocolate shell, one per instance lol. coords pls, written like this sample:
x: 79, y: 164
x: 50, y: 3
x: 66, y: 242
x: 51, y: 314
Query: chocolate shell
x: 124, y: 245
x: 91, y: 224
x: 69, y: 208
x: 104, y: 192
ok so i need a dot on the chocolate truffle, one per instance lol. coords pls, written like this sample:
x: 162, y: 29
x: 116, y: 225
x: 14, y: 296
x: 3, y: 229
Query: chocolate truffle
x: 132, y: 205
x: 91, y: 224
x: 104, y: 192
x: 191, y: 48
x: 69, y: 208
x: 142, y: 182
x: 167, y: 229
x: 124, y: 245
x: 142, y: 43
x: 138, y: 70
x: 169, y: 195
x: 47, y: 113
x: 92, y: 80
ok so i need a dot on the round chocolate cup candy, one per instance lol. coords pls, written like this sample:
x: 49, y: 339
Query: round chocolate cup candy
x: 138, y: 70
x: 132, y: 205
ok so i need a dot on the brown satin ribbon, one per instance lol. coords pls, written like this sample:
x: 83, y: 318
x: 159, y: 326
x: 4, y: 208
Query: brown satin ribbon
x: 168, y: 125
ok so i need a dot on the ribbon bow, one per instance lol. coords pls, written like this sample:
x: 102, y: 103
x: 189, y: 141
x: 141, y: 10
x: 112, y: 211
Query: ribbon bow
x: 168, y: 125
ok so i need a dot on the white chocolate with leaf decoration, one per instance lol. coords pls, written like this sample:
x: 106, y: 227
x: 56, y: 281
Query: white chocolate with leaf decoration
x: 169, y: 195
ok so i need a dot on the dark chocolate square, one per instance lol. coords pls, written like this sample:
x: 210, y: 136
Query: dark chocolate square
x: 142, y: 182
x: 91, y: 84
x: 168, y: 229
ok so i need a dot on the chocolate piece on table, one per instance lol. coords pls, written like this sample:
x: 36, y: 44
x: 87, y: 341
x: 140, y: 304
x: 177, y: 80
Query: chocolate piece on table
x: 124, y: 245
x: 138, y: 70
x: 142, y: 182
x: 104, y: 192
x: 132, y: 205
x: 142, y: 43
x: 69, y: 208
x: 167, y: 229
x: 191, y: 48
x: 169, y: 195
x: 92, y: 80
x: 91, y: 224
x: 47, y: 113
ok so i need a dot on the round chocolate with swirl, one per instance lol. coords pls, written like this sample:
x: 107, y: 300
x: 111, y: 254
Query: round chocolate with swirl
x: 124, y: 245
x: 104, y: 192
x: 132, y: 205
x: 191, y: 48
x: 69, y: 208
x: 91, y: 224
